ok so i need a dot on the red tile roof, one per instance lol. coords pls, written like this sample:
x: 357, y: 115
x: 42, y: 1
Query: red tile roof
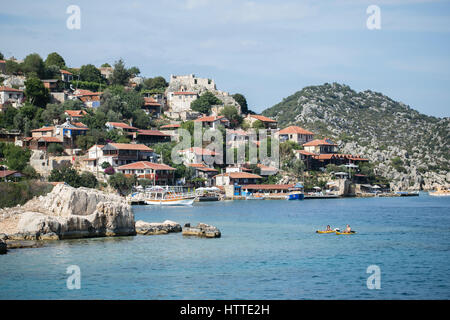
x: 152, y: 133
x: 306, y: 153
x: 130, y: 146
x: 145, y: 165
x: 65, y: 71
x: 295, y: 130
x: 202, y: 167
x: 268, y: 186
x: 262, y: 118
x: 49, y: 139
x: 199, y: 151
x: 76, y: 113
x: 170, y: 126
x: 121, y: 125
x: 6, y: 173
x: 9, y: 89
x: 150, y: 101
x: 43, y: 129
x: 240, y: 175
x: 209, y: 118
x: 318, y: 142
x: 184, y: 93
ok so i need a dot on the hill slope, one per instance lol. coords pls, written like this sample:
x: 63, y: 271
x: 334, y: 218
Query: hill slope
x: 373, y: 125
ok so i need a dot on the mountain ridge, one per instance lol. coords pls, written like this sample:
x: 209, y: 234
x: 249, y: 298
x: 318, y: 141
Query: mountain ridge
x: 408, y: 147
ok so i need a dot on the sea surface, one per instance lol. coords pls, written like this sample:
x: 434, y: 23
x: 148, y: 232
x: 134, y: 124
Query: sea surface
x: 268, y: 250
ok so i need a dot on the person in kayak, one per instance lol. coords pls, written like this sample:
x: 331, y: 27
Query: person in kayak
x: 348, y: 229
x: 328, y: 228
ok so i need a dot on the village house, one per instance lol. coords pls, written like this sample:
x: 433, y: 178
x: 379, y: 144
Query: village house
x: 152, y: 107
x: 121, y: 126
x: 267, y: 122
x: 149, y: 136
x: 180, y: 101
x: 295, y: 134
x: 51, y: 85
x: 267, y: 170
x: 75, y: 115
x: 3, y: 66
x: 117, y: 154
x: 236, y: 138
x: 160, y: 174
x: 213, y: 122
x: 171, y: 130
x: 9, y: 175
x: 236, y: 178
x: 66, y: 76
x: 195, y: 155
x: 11, y: 96
x: 90, y: 99
x: 320, y: 146
x: 106, y: 71
x: 204, y: 172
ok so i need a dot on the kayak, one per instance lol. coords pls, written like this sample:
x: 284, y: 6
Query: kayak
x: 351, y: 232
x: 320, y: 231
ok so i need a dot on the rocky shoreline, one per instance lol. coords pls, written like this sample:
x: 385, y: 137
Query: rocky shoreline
x: 74, y: 213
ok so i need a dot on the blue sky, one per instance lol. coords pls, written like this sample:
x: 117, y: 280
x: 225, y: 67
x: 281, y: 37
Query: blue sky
x: 266, y: 50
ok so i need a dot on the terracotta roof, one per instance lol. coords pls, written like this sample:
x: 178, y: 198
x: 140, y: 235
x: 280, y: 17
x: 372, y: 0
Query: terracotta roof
x: 6, y: 173
x: 150, y: 101
x: 145, y: 165
x: 306, y: 153
x: 130, y: 146
x: 9, y: 89
x: 83, y: 92
x: 264, y: 167
x: 240, y: 175
x: 262, y: 118
x: 268, y: 186
x: 49, y: 139
x: 317, y: 142
x: 65, y: 71
x: 76, y: 113
x: 199, y: 151
x: 184, y: 93
x: 201, y: 167
x: 97, y: 145
x: 43, y: 129
x: 209, y: 118
x: 79, y: 124
x: 295, y: 130
x: 121, y: 125
x: 2, y: 61
x: 169, y: 126
x: 152, y: 133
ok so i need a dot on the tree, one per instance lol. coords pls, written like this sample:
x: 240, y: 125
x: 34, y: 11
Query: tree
x: 53, y: 112
x: 12, y: 67
x: 258, y: 124
x: 54, y: 59
x: 122, y: 183
x: 120, y: 74
x: 231, y: 113
x: 105, y: 65
x: 1, y: 56
x: 16, y: 158
x: 88, y: 180
x: 155, y: 83
x: 90, y: 73
x: 7, y: 116
x: 204, y: 103
x: 36, y: 93
x: 55, y: 149
x: 33, y: 64
x: 134, y: 71
x: 105, y: 165
x: 242, y: 102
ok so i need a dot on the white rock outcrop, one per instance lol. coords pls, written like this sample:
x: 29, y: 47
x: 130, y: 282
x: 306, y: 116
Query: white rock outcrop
x: 68, y: 212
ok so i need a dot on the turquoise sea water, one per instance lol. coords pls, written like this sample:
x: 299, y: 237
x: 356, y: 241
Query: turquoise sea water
x: 268, y: 250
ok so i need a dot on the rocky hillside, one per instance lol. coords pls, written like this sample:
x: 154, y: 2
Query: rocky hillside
x: 409, y: 148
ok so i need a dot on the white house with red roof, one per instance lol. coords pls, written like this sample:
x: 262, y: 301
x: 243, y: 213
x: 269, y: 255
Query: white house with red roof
x: 196, y: 155
x: 122, y: 126
x: 295, y: 134
x: 320, y: 146
x: 213, y: 122
x: 75, y: 115
x: 66, y: 76
x: 266, y: 121
x: 180, y: 101
x: 204, y: 172
x: 11, y: 96
x: 160, y: 174
x: 238, y: 178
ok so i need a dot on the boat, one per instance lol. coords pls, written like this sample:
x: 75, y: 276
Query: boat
x: 325, y: 231
x: 168, y: 196
x: 351, y: 232
x: 296, y: 192
x: 207, y: 194
x: 440, y: 193
x: 253, y: 196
